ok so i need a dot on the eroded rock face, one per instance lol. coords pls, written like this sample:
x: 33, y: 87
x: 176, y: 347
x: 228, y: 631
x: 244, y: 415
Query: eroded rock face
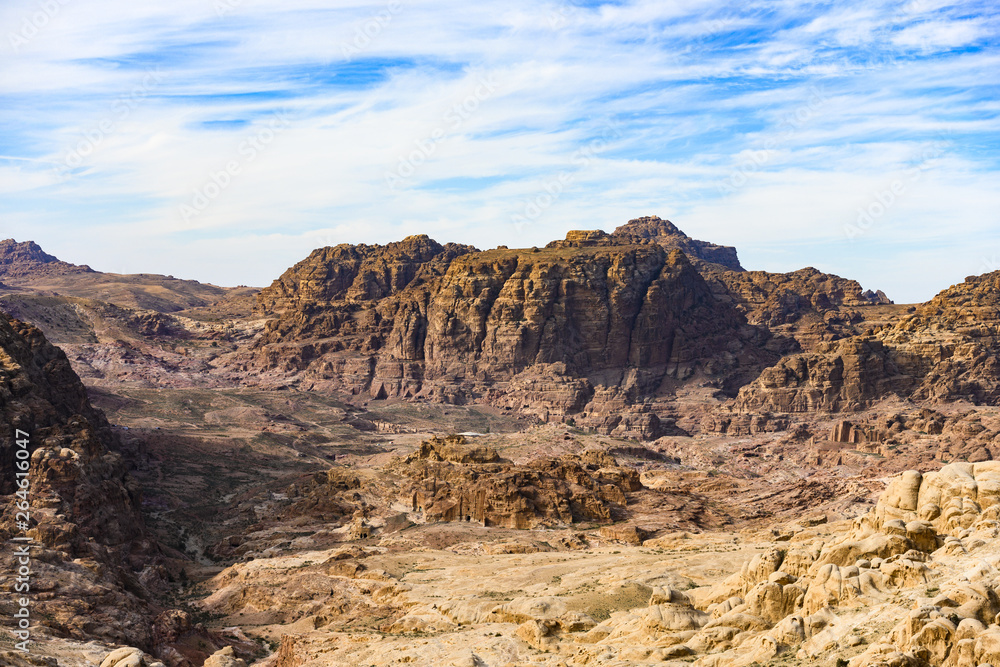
x: 774, y: 299
x: 920, y: 525
x: 18, y: 260
x: 598, y: 328
x: 590, y: 328
x: 456, y: 450
x: 666, y: 234
x: 946, y: 350
x: 348, y: 273
x: 96, y: 570
x: 847, y: 377
x: 552, y: 492
x: 632, y: 307
x: 452, y: 480
x: 130, y: 657
x: 93, y: 547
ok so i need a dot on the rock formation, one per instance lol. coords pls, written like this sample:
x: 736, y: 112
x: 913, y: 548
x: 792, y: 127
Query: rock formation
x: 914, y: 581
x: 94, y: 567
x: 773, y: 299
x: 666, y: 234
x: 92, y: 545
x: 28, y: 260
x: 588, y: 487
x: 598, y: 328
x: 28, y: 270
x: 452, y: 480
x: 591, y: 328
x: 918, y: 534
x: 945, y: 350
x: 351, y: 275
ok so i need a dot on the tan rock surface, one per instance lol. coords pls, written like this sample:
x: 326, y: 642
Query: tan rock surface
x: 945, y: 350
x: 894, y: 603
x: 508, y: 326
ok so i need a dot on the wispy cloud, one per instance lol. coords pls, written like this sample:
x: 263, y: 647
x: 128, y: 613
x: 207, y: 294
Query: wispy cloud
x: 118, y: 115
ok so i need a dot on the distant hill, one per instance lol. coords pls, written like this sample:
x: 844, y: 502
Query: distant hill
x: 26, y: 268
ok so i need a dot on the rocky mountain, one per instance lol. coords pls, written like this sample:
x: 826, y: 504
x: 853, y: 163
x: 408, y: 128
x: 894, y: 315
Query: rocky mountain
x: 357, y: 274
x: 95, y: 569
x: 944, y: 350
x: 92, y: 551
x: 398, y: 321
x: 666, y: 234
x: 774, y: 299
x: 28, y: 260
x: 598, y: 328
x: 590, y: 328
x: 767, y: 298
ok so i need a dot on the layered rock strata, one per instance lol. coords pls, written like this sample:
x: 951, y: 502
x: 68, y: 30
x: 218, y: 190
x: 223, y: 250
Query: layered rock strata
x: 945, y: 350
x: 95, y: 571
x: 93, y: 560
x: 588, y: 331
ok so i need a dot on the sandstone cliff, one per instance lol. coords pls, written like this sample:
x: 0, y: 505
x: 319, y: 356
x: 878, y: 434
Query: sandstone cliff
x: 547, y: 492
x: 666, y: 234
x: 945, y: 350
x: 357, y: 273
x: 96, y: 572
x: 92, y: 548
x: 774, y: 299
x: 591, y: 328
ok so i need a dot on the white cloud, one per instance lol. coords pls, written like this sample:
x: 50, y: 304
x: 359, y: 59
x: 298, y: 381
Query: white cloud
x: 693, y: 91
x: 940, y: 34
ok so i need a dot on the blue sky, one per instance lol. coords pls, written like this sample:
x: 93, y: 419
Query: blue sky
x: 222, y: 140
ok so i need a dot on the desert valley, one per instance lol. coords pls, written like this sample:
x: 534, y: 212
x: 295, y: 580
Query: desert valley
x: 619, y: 449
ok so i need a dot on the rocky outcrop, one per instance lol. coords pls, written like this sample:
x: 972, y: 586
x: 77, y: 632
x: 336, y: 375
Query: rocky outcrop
x: 774, y: 299
x: 666, y: 234
x: 848, y: 375
x: 130, y: 657
x: 653, y: 230
x: 745, y: 424
x: 225, y: 657
x: 877, y: 298
x: 592, y: 329
x: 93, y: 559
x: 792, y: 596
x: 449, y: 479
x: 944, y: 351
x: 27, y: 259
x: 597, y: 328
x: 551, y: 492
x: 349, y: 274
x: 457, y: 450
